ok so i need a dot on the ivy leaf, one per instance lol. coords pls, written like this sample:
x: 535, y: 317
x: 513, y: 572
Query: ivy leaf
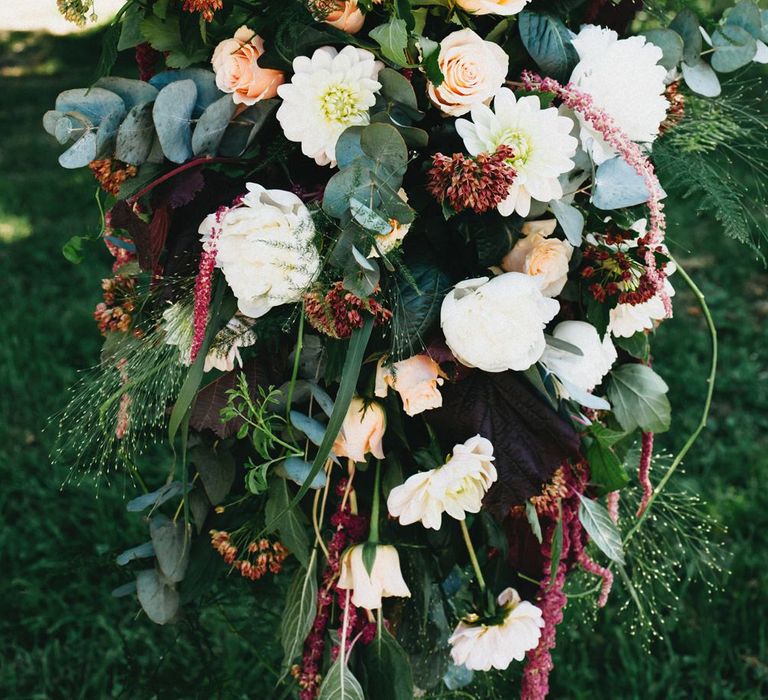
x: 388, y: 672
x: 392, y: 37
x: 597, y: 522
x: 639, y: 399
x: 530, y: 439
x: 299, y: 613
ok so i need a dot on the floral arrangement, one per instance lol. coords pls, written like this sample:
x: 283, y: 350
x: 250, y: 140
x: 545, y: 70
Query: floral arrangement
x: 386, y: 277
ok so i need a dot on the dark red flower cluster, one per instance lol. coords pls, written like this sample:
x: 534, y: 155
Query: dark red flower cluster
x: 110, y: 174
x: 350, y: 529
x: 338, y: 312
x: 206, y: 8
x: 478, y: 183
x: 269, y: 556
x: 676, y: 111
x: 618, y: 272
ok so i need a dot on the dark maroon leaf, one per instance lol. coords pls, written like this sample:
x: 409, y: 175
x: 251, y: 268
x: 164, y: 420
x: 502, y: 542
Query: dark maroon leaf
x: 158, y: 232
x: 529, y: 438
x: 206, y: 413
x: 185, y: 188
x: 124, y: 217
x: 616, y: 16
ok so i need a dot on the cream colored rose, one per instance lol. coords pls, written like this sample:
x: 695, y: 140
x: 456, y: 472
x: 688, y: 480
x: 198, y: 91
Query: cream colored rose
x: 347, y: 17
x: 492, y: 7
x: 474, y: 70
x: 538, y: 255
x: 384, y: 581
x: 265, y: 248
x: 236, y: 64
x: 362, y: 431
x: 415, y: 379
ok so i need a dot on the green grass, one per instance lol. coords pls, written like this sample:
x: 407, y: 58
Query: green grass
x: 61, y: 633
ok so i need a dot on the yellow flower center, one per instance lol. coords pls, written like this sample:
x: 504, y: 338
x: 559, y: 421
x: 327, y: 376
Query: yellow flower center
x: 339, y: 104
x: 520, y: 144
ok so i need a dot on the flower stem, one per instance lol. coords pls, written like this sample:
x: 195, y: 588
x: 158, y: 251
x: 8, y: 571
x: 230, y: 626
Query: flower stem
x: 373, y: 534
x: 472, y: 555
x: 707, y: 402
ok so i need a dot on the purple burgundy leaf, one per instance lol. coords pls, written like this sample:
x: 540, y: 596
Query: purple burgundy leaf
x: 530, y: 440
x: 185, y: 188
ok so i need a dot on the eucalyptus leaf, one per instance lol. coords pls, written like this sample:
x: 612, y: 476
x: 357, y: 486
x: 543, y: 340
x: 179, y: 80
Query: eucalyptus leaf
x: 368, y: 218
x: 597, y: 522
x: 159, y: 600
x: 618, y: 185
x: 154, y: 498
x: 141, y: 551
x: 639, y: 398
x: 132, y: 92
x: 297, y: 470
x: 136, y: 135
x: 172, y: 113
x: 686, y: 24
x: 312, y: 428
x: 171, y: 541
x: 734, y: 48
x: 204, y: 80
x: 95, y: 102
x: 80, y: 153
x: 745, y: 14
x: 571, y: 220
x: 245, y: 127
x: 213, y: 123
x: 670, y: 43
x: 701, y: 79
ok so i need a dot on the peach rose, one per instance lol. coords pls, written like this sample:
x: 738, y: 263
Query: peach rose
x: 474, y: 70
x: 347, y: 17
x: 492, y: 7
x: 415, y: 379
x: 236, y: 64
x: 538, y: 255
x: 362, y: 431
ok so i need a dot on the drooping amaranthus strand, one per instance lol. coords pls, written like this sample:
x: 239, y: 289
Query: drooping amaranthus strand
x: 478, y: 183
x: 338, y: 312
x: 602, y: 122
x: 349, y: 529
x: 644, y: 472
x: 206, y: 8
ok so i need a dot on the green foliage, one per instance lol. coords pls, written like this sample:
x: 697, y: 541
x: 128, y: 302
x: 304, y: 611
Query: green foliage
x: 638, y: 397
x: 599, y: 526
x: 388, y: 674
x: 299, y: 613
x: 548, y: 41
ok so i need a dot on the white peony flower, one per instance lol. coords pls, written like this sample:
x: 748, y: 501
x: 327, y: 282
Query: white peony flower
x: 540, y: 138
x: 481, y: 647
x: 328, y: 92
x: 265, y: 249
x: 224, y: 353
x: 627, y: 319
x: 624, y: 78
x: 497, y: 324
x: 580, y: 373
x: 492, y: 7
x: 473, y: 70
x: 455, y: 488
x: 385, y: 579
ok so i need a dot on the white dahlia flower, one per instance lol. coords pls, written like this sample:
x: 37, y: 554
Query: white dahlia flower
x: 481, y: 647
x: 497, y: 324
x: 582, y: 372
x: 265, y: 249
x: 624, y: 78
x: 455, y: 488
x: 328, y: 92
x: 540, y: 138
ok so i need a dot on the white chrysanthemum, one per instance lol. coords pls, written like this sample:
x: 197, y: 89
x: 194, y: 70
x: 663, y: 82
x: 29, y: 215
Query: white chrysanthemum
x: 265, y: 249
x: 481, y: 647
x: 497, y: 324
x: 539, y: 137
x: 224, y: 353
x: 328, y: 92
x: 624, y: 78
x: 627, y: 319
x: 582, y: 372
x: 455, y: 488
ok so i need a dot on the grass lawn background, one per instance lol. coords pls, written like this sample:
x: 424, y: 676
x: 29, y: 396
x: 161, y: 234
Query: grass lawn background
x: 61, y: 633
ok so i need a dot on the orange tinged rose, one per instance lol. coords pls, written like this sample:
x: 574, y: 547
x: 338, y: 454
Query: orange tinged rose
x: 362, y: 431
x: 347, y: 17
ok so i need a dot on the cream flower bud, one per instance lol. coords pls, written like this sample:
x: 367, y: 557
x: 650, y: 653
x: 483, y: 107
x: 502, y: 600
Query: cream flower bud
x: 492, y: 7
x: 362, y: 431
x: 456, y: 488
x: 346, y: 16
x: 497, y: 324
x: 538, y: 255
x: 415, y: 379
x: 473, y: 70
x: 384, y: 581
x: 236, y: 64
x: 481, y: 647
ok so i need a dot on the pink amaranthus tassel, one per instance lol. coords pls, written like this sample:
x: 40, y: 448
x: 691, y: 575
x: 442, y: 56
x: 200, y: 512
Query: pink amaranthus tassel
x: 644, y: 472
x: 601, y: 121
